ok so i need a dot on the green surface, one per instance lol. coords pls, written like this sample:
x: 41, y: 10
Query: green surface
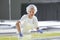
x: 28, y: 37
x: 8, y: 38
x: 44, y: 35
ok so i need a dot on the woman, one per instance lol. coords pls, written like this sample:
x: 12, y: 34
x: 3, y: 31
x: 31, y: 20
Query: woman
x: 29, y: 20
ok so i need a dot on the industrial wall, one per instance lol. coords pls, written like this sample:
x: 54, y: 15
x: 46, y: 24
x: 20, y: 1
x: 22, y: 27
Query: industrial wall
x: 47, y: 9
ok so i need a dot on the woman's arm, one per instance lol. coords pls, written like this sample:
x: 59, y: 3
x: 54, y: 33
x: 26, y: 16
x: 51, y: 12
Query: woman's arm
x: 35, y: 22
x: 18, y: 26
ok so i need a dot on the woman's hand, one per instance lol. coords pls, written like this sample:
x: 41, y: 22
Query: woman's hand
x: 39, y: 30
x: 21, y: 35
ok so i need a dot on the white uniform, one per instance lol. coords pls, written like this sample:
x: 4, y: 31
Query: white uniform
x: 28, y: 23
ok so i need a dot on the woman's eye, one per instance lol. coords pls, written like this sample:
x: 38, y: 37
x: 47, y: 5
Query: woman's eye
x: 32, y: 12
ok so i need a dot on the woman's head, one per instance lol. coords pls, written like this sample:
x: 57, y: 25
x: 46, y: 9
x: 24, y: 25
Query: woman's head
x: 31, y: 9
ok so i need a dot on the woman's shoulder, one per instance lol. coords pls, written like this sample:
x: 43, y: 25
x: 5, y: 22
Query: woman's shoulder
x: 34, y: 16
x: 24, y: 15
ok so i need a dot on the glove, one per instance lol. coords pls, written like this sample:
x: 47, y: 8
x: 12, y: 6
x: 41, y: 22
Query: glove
x: 21, y: 35
x: 41, y: 31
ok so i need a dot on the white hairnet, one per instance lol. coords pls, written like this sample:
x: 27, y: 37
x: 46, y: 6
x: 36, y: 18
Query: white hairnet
x: 31, y: 6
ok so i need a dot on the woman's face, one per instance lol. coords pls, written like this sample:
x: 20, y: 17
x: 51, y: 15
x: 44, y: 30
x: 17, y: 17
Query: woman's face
x: 31, y: 12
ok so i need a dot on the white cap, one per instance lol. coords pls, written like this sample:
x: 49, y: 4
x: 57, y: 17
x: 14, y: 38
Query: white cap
x: 31, y: 6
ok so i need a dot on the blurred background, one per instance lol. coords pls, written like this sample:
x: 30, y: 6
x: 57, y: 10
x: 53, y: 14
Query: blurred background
x: 14, y: 9
x: 48, y: 15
